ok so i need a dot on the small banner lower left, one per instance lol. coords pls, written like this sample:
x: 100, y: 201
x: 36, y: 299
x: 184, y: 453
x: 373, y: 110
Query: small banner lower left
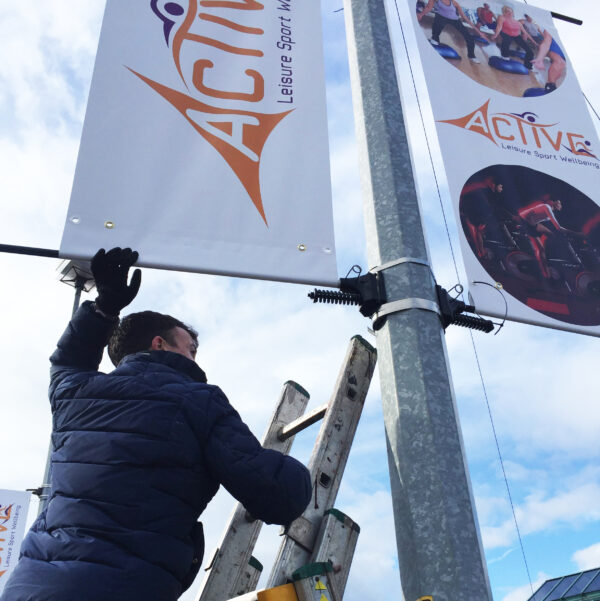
x: 14, y: 505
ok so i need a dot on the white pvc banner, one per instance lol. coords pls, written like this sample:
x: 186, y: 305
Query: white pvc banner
x: 521, y: 159
x: 204, y: 145
x: 14, y: 506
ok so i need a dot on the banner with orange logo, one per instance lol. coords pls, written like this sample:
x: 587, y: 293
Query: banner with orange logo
x: 14, y: 506
x: 205, y: 143
x: 521, y: 159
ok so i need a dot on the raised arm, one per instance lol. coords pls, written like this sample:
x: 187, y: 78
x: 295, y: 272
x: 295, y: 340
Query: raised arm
x: 426, y: 10
x: 499, y: 24
x: 79, y: 350
x: 461, y: 13
x: 524, y: 34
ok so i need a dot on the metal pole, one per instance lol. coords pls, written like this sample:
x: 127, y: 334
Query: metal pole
x: 79, y: 283
x: 29, y: 250
x: 439, y: 545
x: 44, y: 489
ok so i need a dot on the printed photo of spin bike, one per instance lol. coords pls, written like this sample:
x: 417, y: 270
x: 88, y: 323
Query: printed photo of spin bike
x: 537, y: 236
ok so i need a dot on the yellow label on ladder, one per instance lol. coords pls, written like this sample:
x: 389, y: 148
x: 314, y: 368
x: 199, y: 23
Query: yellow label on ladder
x: 323, y: 597
x: 320, y: 586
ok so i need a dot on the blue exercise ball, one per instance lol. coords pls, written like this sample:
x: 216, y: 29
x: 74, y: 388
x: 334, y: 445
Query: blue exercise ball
x: 531, y: 92
x: 508, y: 65
x: 446, y: 51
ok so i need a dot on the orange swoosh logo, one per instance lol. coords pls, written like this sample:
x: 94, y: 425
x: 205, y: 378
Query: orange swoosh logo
x: 239, y: 136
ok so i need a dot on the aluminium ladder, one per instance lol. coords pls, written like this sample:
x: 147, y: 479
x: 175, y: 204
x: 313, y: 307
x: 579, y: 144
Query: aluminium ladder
x: 322, y: 540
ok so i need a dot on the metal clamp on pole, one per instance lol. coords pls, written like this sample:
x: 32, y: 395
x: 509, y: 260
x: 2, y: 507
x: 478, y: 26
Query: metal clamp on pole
x: 402, y: 305
x: 400, y: 261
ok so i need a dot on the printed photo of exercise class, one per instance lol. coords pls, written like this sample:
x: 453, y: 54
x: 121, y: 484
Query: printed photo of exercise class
x: 539, y: 237
x: 497, y: 44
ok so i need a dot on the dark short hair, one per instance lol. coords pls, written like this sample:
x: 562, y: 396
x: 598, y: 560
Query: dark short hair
x: 136, y: 331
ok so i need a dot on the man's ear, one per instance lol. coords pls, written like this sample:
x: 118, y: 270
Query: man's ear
x: 157, y: 343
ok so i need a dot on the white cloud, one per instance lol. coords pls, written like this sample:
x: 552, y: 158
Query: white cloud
x: 541, y: 513
x: 376, y: 548
x: 587, y: 558
x: 51, y: 52
x: 256, y: 335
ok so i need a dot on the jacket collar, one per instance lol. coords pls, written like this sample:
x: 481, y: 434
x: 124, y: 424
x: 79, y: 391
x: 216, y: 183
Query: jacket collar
x: 173, y: 360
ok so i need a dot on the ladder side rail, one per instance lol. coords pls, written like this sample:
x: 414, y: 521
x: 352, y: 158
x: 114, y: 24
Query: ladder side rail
x: 230, y: 573
x: 328, y: 459
x: 247, y: 578
x: 313, y: 581
x: 336, y: 544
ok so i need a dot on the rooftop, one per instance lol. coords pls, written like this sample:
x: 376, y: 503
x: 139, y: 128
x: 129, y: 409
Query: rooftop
x: 584, y: 586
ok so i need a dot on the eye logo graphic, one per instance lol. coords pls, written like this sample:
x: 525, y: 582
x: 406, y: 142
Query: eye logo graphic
x: 238, y: 135
x: 522, y: 128
x: 5, y: 511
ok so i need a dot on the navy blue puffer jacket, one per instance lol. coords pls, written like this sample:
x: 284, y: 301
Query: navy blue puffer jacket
x: 138, y: 454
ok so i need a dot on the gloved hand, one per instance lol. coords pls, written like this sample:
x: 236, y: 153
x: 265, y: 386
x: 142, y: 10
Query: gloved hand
x: 110, y: 271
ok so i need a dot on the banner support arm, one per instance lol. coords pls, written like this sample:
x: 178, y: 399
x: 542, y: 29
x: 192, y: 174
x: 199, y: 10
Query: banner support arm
x: 29, y: 250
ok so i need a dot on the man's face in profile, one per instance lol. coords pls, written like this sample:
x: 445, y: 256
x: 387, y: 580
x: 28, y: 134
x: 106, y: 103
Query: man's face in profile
x: 183, y: 343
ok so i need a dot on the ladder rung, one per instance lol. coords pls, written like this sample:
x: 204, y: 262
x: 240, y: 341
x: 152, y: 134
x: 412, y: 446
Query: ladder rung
x: 302, y: 422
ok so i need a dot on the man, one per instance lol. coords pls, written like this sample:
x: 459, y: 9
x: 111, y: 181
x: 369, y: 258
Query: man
x: 137, y: 455
x: 485, y: 18
x: 479, y: 201
x: 540, y: 224
x: 532, y: 28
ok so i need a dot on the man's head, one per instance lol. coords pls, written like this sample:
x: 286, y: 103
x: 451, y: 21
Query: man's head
x: 147, y: 331
x: 528, y: 18
x: 556, y: 205
x: 492, y: 185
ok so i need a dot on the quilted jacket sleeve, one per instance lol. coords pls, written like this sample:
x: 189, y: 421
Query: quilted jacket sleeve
x: 273, y: 487
x: 79, y: 350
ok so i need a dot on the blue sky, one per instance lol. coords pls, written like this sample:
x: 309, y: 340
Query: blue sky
x: 256, y: 335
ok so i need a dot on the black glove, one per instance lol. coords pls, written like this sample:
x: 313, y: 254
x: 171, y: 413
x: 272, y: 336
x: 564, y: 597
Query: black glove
x: 110, y: 271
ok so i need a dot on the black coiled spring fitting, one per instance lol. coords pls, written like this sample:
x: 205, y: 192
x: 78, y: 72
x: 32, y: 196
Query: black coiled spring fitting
x: 368, y: 291
x: 473, y: 323
x: 334, y: 297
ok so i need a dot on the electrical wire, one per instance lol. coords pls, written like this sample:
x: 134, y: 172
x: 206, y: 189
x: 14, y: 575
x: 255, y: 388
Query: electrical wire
x: 591, y: 105
x: 512, y: 506
x: 458, y: 279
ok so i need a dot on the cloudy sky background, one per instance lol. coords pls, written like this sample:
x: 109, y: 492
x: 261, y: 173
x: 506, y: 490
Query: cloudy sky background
x: 254, y: 336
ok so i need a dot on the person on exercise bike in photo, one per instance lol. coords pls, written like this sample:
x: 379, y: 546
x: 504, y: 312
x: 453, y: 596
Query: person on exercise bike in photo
x: 540, y: 224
